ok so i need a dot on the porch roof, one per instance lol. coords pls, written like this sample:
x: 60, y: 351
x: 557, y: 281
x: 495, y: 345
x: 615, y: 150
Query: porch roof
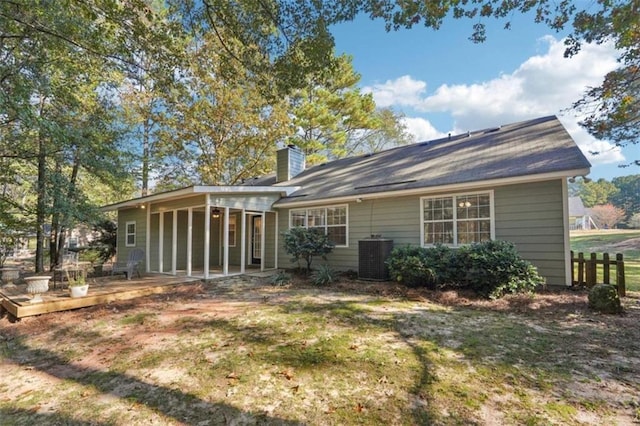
x: 201, y: 189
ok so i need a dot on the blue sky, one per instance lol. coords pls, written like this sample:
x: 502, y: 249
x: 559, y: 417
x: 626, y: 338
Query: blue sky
x: 444, y: 83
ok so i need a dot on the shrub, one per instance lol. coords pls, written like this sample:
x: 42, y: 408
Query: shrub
x: 409, y: 265
x: 324, y: 275
x: 305, y: 244
x: 279, y: 279
x: 604, y: 298
x: 494, y: 268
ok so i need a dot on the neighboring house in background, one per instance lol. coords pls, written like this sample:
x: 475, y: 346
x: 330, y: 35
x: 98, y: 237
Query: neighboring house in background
x: 579, y: 215
x: 507, y: 183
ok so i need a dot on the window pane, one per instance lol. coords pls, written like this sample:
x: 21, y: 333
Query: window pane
x: 298, y: 217
x: 337, y: 216
x: 131, y: 228
x: 338, y: 235
x: 438, y: 232
x: 316, y: 217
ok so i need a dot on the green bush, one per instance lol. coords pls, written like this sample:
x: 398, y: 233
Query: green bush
x: 305, y: 244
x: 279, y: 279
x: 324, y: 275
x: 492, y: 269
x: 410, y: 266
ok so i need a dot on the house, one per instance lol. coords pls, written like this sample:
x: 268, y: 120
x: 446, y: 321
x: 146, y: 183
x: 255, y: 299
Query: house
x: 507, y: 183
x: 579, y: 215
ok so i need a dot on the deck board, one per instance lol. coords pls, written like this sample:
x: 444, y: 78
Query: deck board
x: 17, y: 302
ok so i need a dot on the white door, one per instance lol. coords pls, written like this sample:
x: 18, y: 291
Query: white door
x: 256, y: 240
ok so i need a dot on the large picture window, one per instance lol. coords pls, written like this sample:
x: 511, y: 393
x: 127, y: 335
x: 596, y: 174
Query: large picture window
x: 332, y: 220
x: 457, y: 219
x: 130, y: 236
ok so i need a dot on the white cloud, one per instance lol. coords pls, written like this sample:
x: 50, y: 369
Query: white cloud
x: 403, y: 91
x: 544, y: 84
x: 421, y: 129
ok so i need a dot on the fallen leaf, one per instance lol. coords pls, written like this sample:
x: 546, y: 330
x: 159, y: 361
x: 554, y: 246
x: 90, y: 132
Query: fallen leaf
x: 232, y: 375
x: 353, y: 347
x: 359, y: 408
x: 287, y: 373
x: 295, y: 388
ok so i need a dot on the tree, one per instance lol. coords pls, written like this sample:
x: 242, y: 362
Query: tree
x: 221, y: 127
x: 334, y: 119
x: 607, y: 215
x: 307, y: 243
x: 595, y: 192
x: 628, y: 195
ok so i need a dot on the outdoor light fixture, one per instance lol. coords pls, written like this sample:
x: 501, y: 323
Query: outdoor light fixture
x: 215, y: 212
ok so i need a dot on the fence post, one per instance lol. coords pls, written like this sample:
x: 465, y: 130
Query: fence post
x: 591, y: 270
x: 573, y: 274
x: 581, y: 271
x: 605, y: 271
x: 622, y: 290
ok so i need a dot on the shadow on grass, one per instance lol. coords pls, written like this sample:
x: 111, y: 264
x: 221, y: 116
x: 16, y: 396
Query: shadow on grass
x: 173, y: 403
x: 20, y: 416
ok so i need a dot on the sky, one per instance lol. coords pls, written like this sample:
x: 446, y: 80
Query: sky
x: 444, y: 83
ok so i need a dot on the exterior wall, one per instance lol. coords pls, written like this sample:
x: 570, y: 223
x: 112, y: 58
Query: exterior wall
x: 129, y: 215
x: 529, y: 215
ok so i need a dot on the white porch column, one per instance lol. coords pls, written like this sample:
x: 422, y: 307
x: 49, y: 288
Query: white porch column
x: 243, y: 240
x: 225, y: 242
x: 263, y: 238
x: 161, y: 243
x: 207, y: 235
x: 189, y: 240
x: 275, y: 244
x: 174, y: 243
x: 147, y: 245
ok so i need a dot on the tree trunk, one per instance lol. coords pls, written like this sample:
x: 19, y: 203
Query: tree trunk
x: 41, y: 203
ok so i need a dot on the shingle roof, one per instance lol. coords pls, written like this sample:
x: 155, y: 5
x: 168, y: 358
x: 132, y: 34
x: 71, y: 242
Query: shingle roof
x: 530, y: 147
x: 576, y: 208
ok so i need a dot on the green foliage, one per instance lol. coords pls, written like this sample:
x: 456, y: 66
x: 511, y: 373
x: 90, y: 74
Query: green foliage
x: 279, y: 279
x: 305, y: 244
x: 492, y: 269
x: 595, y: 192
x: 337, y: 120
x: 496, y: 268
x: 628, y: 195
x: 409, y: 265
x: 324, y: 275
x: 105, y: 244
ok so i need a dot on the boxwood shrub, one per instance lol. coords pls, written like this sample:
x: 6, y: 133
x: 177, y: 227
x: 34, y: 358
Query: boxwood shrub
x: 491, y: 269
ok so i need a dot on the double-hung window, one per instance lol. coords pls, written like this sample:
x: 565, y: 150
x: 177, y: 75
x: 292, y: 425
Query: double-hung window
x: 331, y: 220
x: 457, y: 219
x: 130, y: 234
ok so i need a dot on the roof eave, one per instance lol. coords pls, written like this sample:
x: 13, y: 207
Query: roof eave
x: 199, y: 189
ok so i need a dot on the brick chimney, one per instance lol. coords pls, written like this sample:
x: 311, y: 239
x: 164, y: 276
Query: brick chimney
x: 290, y: 161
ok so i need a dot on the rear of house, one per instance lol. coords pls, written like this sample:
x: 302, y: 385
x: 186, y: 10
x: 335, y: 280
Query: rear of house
x: 507, y: 183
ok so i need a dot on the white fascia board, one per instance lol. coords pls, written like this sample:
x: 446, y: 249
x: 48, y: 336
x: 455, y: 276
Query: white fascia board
x: 245, y: 189
x: 200, y: 189
x: 437, y: 189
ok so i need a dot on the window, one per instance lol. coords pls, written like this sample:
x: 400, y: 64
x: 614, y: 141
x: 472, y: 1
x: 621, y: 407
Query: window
x: 457, y: 219
x: 332, y: 220
x: 130, y: 237
x: 232, y: 231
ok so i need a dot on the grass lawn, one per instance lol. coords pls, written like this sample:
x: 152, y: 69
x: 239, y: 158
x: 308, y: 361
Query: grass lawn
x: 612, y: 241
x: 353, y: 353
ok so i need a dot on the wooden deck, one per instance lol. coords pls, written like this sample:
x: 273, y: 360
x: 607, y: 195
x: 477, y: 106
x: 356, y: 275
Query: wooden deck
x: 17, y: 302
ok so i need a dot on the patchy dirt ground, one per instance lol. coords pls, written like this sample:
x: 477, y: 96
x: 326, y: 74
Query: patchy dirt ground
x: 353, y: 353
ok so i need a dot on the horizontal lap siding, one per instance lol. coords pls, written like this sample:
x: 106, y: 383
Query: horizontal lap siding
x: 397, y: 219
x: 128, y: 215
x: 531, y: 216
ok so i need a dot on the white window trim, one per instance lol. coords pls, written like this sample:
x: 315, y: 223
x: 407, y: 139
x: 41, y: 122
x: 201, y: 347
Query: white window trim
x: 126, y: 233
x: 306, y: 209
x: 492, y: 213
x: 233, y: 219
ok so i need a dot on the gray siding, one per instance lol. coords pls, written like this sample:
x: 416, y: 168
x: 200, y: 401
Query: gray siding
x: 529, y: 215
x: 128, y: 215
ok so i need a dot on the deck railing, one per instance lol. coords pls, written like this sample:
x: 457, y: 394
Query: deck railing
x: 584, y: 271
